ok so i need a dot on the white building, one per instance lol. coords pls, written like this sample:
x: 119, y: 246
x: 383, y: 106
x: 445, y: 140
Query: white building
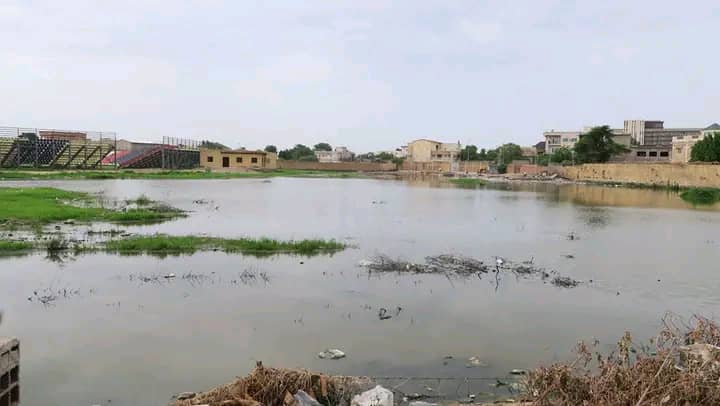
x: 340, y: 154
x: 401, y: 152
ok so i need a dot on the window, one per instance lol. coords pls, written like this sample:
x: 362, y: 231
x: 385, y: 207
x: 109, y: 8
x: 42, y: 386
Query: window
x: 653, y: 153
x: 641, y: 153
x: 664, y: 153
x: 210, y: 159
x: 679, y: 137
x: 253, y: 160
x: 238, y: 160
x: 695, y: 137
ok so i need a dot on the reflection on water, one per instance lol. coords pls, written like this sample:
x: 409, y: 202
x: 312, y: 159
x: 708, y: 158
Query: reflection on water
x: 135, y: 335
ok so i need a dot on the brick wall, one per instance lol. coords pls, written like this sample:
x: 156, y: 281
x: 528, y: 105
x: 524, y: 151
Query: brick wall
x: 337, y: 166
x: 652, y: 174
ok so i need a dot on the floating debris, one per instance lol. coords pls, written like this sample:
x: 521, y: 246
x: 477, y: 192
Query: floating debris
x: 475, y: 362
x: 565, y: 282
x: 331, y: 354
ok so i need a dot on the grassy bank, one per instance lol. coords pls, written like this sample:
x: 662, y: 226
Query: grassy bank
x: 468, y: 182
x: 158, y: 244
x: 37, y: 206
x: 179, y: 174
x: 701, y: 196
x: 14, y: 246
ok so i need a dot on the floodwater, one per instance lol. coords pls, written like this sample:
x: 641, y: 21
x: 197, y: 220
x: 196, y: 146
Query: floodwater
x: 114, y: 338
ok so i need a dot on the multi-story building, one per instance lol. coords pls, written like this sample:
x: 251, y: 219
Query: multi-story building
x: 339, y: 154
x: 682, y: 144
x: 555, y: 140
x: 646, y: 140
x: 424, y: 150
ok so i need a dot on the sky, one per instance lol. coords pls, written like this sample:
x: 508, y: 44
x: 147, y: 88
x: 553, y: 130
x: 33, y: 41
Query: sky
x: 370, y: 75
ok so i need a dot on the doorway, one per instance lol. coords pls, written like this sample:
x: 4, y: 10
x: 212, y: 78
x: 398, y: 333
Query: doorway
x: 226, y: 162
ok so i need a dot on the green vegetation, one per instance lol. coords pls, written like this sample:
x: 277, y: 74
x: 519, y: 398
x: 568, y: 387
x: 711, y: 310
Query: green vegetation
x: 189, y: 244
x: 597, y: 146
x: 701, y: 196
x: 707, y: 149
x: 323, y: 146
x: 180, y: 175
x: 299, y: 152
x: 212, y: 145
x: 562, y: 155
x: 36, y: 206
x: 14, y: 246
x: 468, y: 182
x: 141, y: 201
x: 271, y: 148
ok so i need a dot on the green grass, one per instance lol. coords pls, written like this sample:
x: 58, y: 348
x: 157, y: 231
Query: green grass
x: 468, y: 182
x: 11, y: 246
x: 701, y: 196
x: 33, y: 206
x: 160, y: 243
x: 140, y: 201
x: 19, y: 174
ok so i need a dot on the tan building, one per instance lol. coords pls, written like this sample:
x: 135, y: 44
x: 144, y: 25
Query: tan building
x: 682, y: 144
x: 555, y: 140
x: 237, y: 159
x: 424, y: 150
x: 339, y: 154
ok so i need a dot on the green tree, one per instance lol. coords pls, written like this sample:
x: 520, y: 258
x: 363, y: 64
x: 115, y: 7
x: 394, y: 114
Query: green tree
x: 597, y: 145
x: 299, y: 152
x: 384, y: 156
x: 212, y: 145
x: 469, y: 153
x: 561, y: 155
x: 491, y: 155
x: 707, y: 149
x: 323, y: 146
x: 271, y: 148
x: 543, y: 159
x: 509, y: 152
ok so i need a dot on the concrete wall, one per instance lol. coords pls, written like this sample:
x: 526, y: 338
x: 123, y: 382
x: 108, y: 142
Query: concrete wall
x: 529, y: 169
x: 337, y: 166
x: 445, y: 166
x: 653, y: 174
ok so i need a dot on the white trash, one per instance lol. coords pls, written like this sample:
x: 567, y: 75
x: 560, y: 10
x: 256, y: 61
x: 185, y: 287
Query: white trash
x: 331, y: 354
x: 304, y: 399
x: 378, y: 396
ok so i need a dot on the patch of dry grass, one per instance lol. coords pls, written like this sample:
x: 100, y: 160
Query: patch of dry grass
x: 679, y: 367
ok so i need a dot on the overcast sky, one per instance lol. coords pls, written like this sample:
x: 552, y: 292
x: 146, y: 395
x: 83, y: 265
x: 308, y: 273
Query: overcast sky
x: 371, y: 75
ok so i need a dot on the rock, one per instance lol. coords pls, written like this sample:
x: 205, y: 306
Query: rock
x: 186, y: 395
x: 331, y: 354
x: 69, y: 221
x: 518, y: 372
x: 303, y: 399
x: 169, y: 276
x: 378, y: 396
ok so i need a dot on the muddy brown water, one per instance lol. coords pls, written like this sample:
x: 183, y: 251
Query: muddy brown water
x: 116, y: 338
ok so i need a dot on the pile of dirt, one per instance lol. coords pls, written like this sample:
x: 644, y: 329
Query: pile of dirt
x: 680, y: 367
x: 276, y: 387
